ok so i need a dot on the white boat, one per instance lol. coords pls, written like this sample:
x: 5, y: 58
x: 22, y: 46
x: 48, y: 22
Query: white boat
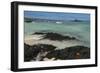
x: 33, y: 22
x: 58, y: 22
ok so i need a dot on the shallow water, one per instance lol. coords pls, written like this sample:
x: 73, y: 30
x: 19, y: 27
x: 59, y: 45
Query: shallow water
x: 81, y: 30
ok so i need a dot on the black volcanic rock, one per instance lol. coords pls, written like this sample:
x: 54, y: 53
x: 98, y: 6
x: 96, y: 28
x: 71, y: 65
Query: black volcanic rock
x: 68, y: 53
x: 30, y: 52
x: 38, y: 33
x: 57, y: 54
x: 75, y: 52
x: 81, y: 52
x: 55, y: 36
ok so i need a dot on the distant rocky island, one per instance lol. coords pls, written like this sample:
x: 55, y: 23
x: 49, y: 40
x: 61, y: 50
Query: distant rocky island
x: 26, y: 19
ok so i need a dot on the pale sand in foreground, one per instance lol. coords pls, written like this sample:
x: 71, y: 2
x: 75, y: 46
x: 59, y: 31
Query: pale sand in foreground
x: 37, y: 39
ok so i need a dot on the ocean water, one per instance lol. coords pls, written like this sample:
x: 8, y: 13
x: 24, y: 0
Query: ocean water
x: 80, y: 30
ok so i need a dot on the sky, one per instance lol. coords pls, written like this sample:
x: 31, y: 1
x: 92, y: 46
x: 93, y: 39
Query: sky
x: 57, y: 15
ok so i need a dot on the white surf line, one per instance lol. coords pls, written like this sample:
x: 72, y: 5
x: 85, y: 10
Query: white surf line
x: 59, y: 44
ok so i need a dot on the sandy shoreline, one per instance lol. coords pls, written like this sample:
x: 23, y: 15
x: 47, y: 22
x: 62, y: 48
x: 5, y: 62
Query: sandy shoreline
x: 33, y: 37
x: 37, y: 39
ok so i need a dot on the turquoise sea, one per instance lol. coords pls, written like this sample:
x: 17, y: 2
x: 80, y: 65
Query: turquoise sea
x: 80, y: 30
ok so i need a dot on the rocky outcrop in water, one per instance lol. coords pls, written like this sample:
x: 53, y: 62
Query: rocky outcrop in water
x: 55, y: 36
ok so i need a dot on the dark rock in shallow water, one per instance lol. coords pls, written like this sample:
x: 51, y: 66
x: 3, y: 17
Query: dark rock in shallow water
x: 75, y: 52
x: 30, y: 52
x: 39, y: 33
x: 55, y: 36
